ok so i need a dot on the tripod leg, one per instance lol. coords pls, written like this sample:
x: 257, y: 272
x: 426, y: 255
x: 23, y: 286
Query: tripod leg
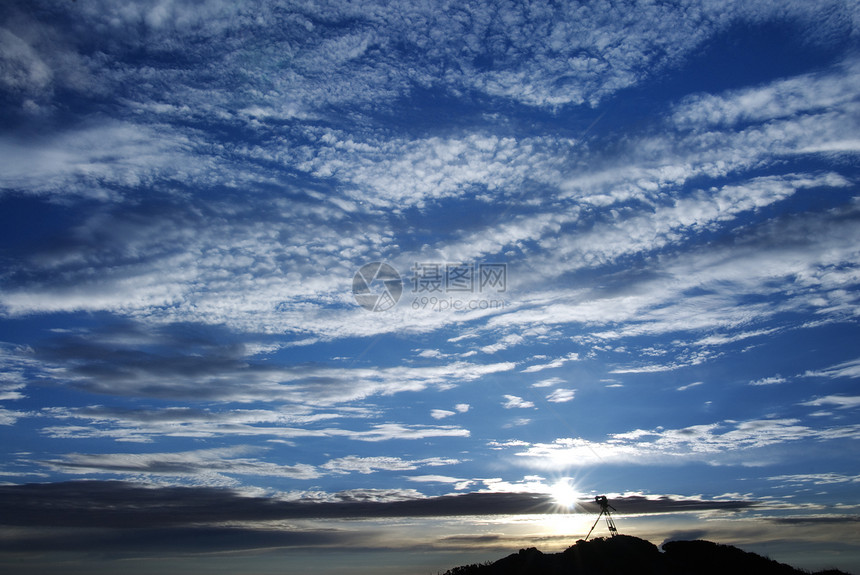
x: 611, y: 525
x: 593, y: 526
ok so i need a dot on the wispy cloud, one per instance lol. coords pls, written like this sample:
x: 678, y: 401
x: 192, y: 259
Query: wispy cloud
x: 10, y: 417
x: 561, y: 395
x: 816, y: 478
x: 210, y: 465
x: 838, y: 401
x: 780, y: 99
x: 222, y: 466
x: 96, y: 161
x: 558, y: 362
x: 144, y: 426
x: 667, y: 301
x: 458, y: 483
x: 847, y: 369
x: 130, y: 359
x: 356, y: 464
x: 728, y: 442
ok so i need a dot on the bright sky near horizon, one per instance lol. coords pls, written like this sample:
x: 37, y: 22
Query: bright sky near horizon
x: 285, y: 277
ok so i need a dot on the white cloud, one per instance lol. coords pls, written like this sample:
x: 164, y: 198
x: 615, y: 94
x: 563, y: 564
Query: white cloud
x: 694, y: 216
x: 773, y: 380
x: 397, y: 173
x: 128, y: 425
x: 206, y: 465
x: 163, y: 284
x: 509, y: 443
x: 431, y: 353
x: 387, y: 431
x: 96, y: 161
x: 191, y: 368
x: 558, y: 362
x: 542, y: 55
x: 704, y: 289
x: 218, y: 465
x: 514, y: 402
x: 685, y: 360
x: 727, y: 443
x: 847, y: 369
x: 22, y: 68
x: 517, y: 422
x: 722, y: 339
x: 528, y: 484
x: 10, y: 417
x: 459, y: 484
x: 816, y: 478
x: 689, y: 385
x: 561, y: 395
x: 780, y: 99
x: 549, y: 382
x: 504, y: 343
x: 839, y: 401
x: 647, y: 230
x: 366, y: 465
x: 603, y: 48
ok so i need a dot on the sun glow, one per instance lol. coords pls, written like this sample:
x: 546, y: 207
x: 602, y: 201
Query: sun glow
x: 564, y: 493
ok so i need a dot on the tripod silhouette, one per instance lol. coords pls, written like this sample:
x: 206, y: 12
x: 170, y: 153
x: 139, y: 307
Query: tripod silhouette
x: 604, y: 510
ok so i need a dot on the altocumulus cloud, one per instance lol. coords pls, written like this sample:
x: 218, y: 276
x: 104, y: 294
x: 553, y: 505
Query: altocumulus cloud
x: 188, y: 187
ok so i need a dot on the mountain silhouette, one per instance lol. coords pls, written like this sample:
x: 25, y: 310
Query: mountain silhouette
x: 628, y: 555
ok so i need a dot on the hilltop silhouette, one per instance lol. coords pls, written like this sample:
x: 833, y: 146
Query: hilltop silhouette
x: 628, y: 555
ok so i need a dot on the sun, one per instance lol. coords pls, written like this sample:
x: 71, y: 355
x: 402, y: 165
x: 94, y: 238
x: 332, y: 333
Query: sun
x: 564, y: 493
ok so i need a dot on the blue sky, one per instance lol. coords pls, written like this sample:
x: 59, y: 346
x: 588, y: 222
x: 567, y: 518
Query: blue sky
x: 622, y: 238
